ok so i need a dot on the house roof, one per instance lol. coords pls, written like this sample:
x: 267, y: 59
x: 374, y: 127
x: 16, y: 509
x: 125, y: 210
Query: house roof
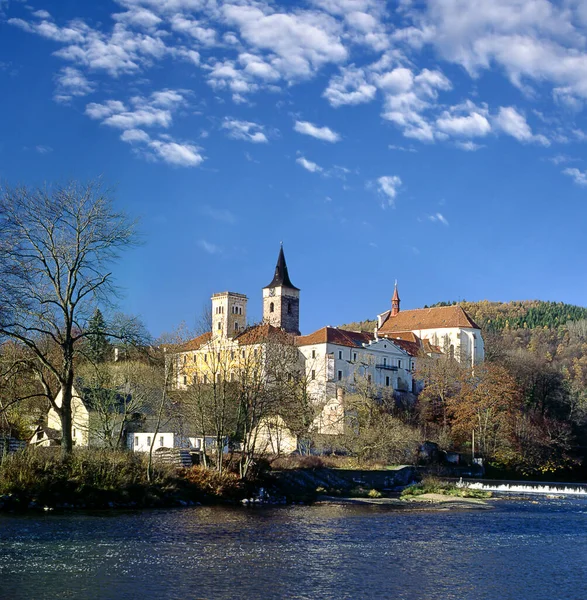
x: 281, y: 277
x: 194, y: 344
x: 257, y: 334
x: 332, y: 335
x: 427, y: 318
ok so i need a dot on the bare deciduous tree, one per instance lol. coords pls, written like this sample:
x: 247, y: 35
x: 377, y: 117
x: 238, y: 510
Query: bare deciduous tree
x: 56, y: 248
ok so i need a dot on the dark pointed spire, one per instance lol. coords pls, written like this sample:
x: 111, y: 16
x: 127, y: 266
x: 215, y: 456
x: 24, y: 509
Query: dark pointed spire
x: 395, y: 301
x: 281, y: 277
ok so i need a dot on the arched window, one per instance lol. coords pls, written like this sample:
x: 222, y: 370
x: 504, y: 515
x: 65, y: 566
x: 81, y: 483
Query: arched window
x: 272, y: 307
x: 452, y: 351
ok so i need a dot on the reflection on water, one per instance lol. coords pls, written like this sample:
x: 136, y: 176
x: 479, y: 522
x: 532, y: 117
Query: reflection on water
x: 520, y: 550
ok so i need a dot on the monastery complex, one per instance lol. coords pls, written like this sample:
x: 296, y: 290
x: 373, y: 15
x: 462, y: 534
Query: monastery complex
x: 330, y: 359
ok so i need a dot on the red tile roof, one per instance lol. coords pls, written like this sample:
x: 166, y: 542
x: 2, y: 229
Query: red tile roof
x: 427, y: 318
x: 257, y: 334
x: 194, y: 344
x: 332, y: 335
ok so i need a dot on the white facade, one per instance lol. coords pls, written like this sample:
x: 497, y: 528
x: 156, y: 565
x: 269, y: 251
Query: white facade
x: 80, y: 419
x: 379, y: 362
x: 465, y: 344
x: 141, y: 441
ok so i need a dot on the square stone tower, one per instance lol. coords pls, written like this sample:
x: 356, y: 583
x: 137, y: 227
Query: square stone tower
x: 281, y: 300
x: 229, y: 314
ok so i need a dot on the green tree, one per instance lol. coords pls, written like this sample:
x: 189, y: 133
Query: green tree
x: 98, y: 343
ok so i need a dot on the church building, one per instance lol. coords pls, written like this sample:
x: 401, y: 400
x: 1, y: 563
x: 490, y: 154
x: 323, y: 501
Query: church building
x: 332, y: 359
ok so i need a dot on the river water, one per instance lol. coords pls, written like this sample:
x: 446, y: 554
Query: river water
x: 518, y: 550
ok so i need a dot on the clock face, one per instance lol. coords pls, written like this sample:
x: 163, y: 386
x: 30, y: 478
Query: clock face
x: 272, y: 291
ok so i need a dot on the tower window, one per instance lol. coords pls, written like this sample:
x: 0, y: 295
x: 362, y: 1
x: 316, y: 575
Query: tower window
x: 219, y: 325
x: 313, y: 353
x: 236, y: 326
x: 399, y: 364
x: 271, y: 307
x: 339, y: 376
x: 289, y: 308
x: 387, y: 381
x: 340, y: 355
x: 313, y: 374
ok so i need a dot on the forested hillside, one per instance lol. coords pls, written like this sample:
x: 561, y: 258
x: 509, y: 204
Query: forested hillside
x: 528, y: 404
x: 524, y: 314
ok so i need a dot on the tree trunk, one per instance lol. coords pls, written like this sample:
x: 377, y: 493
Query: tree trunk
x: 65, y: 415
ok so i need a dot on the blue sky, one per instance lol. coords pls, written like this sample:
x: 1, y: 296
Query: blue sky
x: 438, y: 143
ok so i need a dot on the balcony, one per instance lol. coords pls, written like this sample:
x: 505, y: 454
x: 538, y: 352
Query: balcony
x: 386, y: 367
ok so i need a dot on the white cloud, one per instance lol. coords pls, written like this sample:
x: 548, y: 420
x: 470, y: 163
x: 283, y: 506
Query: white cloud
x: 244, y: 130
x: 101, y: 111
x: 309, y: 165
x: 41, y: 14
x: 531, y: 40
x: 43, y: 149
x: 71, y: 82
x: 176, y: 153
x: 139, y: 17
x: 194, y: 28
x: 388, y: 186
x: 579, y: 177
x: 153, y: 111
x: 438, y: 218
x: 409, y: 97
x: 301, y: 41
x: 209, y: 247
x: 473, y: 123
x: 321, y: 133
x: 351, y: 87
x: 510, y: 121
x: 134, y: 135
x: 469, y: 146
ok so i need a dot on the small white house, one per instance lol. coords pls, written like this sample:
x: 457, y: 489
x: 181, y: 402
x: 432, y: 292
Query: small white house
x: 141, y: 441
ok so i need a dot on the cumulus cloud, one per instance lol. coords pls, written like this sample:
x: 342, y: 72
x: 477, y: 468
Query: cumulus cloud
x: 176, y: 153
x: 579, y: 177
x: 510, y: 121
x: 350, y: 87
x: 302, y: 41
x: 309, y: 165
x: 388, y: 186
x: 321, y: 133
x: 155, y: 110
x: 466, y: 120
x: 71, y: 82
x: 244, y: 130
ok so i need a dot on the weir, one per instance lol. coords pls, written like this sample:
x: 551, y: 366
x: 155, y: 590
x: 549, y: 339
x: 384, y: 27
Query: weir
x: 526, y: 487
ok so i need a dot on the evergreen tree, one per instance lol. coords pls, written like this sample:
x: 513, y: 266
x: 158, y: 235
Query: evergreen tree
x: 98, y: 344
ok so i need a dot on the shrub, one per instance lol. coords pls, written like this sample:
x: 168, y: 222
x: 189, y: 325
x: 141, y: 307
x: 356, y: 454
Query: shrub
x: 213, y: 483
x: 87, y: 475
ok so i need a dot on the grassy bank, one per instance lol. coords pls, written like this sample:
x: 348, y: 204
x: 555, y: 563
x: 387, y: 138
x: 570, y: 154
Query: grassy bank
x: 103, y: 479
x: 434, y: 485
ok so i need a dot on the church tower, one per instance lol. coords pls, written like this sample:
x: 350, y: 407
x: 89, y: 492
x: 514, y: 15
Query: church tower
x: 281, y: 299
x: 229, y: 314
x: 395, y: 302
